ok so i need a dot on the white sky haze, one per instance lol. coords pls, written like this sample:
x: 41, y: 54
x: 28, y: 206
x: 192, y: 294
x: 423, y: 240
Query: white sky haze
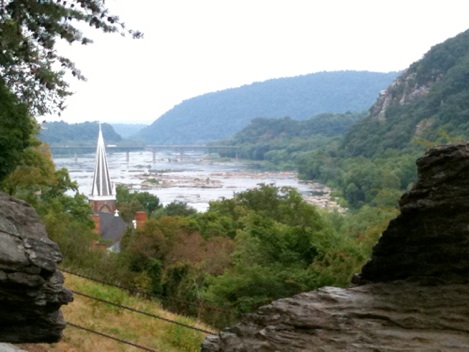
x: 193, y: 47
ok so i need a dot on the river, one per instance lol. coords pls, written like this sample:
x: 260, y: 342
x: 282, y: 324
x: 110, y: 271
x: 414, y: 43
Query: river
x: 193, y: 177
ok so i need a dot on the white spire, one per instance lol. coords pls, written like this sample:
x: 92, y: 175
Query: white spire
x: 102, y: 187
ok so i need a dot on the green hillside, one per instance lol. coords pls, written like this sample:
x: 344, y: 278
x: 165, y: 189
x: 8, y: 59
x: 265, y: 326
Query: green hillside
x: 278, y: 140
x: 428, y: 104
x: 373, y: 161
x: 76, y: 134
x: 221, y: 114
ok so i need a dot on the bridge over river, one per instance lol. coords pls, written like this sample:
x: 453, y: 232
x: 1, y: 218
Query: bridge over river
x: 114, y: 148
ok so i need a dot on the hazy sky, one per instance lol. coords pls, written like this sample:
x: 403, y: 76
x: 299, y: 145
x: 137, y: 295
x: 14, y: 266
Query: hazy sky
x: 193, y: 47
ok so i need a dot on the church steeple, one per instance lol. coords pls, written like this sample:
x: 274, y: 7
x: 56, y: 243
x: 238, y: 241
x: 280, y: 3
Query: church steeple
x: 102, y: 197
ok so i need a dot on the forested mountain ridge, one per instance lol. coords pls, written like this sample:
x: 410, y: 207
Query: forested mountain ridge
x: 221, y: 114
x: 428, y: 102
x: 373, y: 162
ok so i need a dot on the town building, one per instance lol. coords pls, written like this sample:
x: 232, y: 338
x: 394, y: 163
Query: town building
x: 102, y: 199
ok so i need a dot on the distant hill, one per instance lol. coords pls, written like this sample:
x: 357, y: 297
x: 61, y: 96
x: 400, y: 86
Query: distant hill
x: 126, y: 130
x: 76, y: 134
x: 428, y: 104
x: 221, y: 114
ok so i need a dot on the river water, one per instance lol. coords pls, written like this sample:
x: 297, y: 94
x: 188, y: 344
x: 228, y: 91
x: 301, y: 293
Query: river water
x: 193, y: 177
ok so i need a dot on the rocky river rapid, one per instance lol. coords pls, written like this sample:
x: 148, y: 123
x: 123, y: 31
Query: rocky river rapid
x: 193, y: 177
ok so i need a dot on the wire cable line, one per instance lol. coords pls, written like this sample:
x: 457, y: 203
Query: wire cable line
x: 110, y: 337
x: 146, y: 295
x: 144, y: 313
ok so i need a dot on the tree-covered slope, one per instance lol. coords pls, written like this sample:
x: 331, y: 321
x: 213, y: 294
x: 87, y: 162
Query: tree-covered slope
x: 374, y: 161
x: 221, y: 114
x: 76, y: 134
x: 428, y: 103
x: 279, y: 141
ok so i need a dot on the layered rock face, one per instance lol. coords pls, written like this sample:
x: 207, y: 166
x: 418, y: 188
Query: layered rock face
x: 413, y: 292
x: 31, y: 287
x: 430, y: 238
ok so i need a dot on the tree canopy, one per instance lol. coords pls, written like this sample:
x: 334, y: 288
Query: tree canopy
x: 29, y: 31
x: 16, y: 128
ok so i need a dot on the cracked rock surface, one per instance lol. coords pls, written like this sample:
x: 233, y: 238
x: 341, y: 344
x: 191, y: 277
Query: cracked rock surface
x: 31, y: 286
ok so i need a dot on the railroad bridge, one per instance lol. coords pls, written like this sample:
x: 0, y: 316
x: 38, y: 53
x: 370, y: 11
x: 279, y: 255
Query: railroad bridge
x: 114, y: 148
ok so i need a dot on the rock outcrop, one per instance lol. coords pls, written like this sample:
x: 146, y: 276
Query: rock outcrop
x: 31, y: 287
x: 430, y: 237
x: 412, y: 294
x: 403, y: 90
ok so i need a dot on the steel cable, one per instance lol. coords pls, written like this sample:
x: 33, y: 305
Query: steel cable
x: 145, y: 294
x: 111, y: 337
x: 143, y: 313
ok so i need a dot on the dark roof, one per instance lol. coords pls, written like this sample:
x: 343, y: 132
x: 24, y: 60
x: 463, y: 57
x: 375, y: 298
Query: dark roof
x: 112, y: 227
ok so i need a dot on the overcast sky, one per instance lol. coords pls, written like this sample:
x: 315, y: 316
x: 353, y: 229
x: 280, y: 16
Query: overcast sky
x: 193, y: 47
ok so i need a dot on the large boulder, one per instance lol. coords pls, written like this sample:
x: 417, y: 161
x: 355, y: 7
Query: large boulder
x: 411, y: 296
x: 31, y: 286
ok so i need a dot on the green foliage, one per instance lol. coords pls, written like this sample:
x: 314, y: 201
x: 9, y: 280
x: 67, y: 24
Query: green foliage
x: 280, y: 141
x: 177, y: 288
x: 435, y: 90
x: 68, y: 224
x: 222, y: 218
x: 16, y: 129
x: 66, y: 217
x: 175, y: 208
x: 360, y: 180
x: 155, y: 273
x: 183, y: 339
x: 175, y: 258
x: 441, y: 58
x: 263, y: 244
x: 303, y: 145
x: 279, y: 239
x: 284, y: 204
x: 33, y: 174
x: 129, y: 203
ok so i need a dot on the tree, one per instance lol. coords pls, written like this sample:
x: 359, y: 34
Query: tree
x: 130, y: 202
x: 29, y: 62
x: 175, y: 208
x: 16, y: 128
x: 277, y: 237
x: 33, y: 170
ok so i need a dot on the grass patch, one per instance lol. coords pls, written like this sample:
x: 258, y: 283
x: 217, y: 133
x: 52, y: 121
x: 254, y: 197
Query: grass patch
x: 122, y: 323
